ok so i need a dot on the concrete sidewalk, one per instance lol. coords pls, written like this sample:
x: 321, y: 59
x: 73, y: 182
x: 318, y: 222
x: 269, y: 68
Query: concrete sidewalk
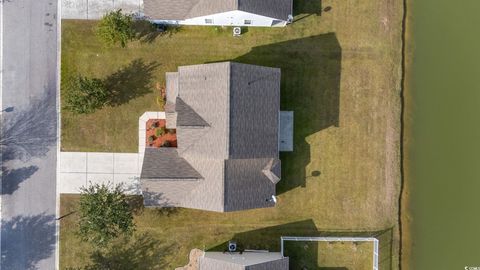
x: 78, y: 169
x: 95, y: 9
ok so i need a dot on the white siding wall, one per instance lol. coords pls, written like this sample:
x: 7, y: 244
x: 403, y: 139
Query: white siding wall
x: 231, y: 18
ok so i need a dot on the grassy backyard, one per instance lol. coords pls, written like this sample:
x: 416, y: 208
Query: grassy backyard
x: 341, y: 77
x: 335, y: 255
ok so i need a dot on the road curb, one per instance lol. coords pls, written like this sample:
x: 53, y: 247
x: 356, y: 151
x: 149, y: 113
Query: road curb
x: 59, y: 132
x: 1, y: 117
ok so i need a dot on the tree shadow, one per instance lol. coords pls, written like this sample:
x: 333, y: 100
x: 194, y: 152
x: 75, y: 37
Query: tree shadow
x: 30, y: 132
x: 26, y: 240
x: 145, y: 31
x: 130, y: 82
x: 310, y: 86
x: 141, y: 252
x: 136, y: 204
x: 12, y: 178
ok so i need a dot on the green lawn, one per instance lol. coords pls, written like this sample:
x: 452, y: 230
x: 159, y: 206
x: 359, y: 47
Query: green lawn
x: 341, y: 76
x: 334, y: 255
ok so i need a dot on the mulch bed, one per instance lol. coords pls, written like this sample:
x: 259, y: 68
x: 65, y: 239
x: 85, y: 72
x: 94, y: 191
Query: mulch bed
x: 158, y: 135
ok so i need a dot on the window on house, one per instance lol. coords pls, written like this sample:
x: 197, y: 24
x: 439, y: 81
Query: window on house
x: 247, y: 22
x: 208, y: 21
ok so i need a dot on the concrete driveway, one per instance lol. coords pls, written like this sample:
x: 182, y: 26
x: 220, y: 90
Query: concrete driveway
x: 95, y: 9
x: 79, y: 169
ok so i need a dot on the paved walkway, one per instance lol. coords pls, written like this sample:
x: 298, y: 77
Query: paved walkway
x: 95, y: 9
x: 142, y: 128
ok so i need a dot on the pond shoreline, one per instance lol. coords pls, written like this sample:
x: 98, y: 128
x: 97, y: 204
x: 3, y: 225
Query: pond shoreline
x: 404, y: 213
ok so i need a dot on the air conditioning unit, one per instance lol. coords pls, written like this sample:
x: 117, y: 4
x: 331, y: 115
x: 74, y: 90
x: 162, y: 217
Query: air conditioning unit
x: 232, y: 246
x: 237, y: 31
x: 290, y: 19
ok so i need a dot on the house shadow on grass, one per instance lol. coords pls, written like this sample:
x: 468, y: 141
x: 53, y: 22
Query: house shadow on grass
x: 306, y: 8
x: 269, y: 238
x: 305, y: 254
x: 130, y: 82
x: 310, y: 87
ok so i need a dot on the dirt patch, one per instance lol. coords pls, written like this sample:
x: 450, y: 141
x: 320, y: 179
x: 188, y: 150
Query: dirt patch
x: 193, y: 263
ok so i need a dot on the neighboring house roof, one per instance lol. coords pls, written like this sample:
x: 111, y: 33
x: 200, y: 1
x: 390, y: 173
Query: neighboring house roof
x: 187, y: 9
x: 244, y: 261
x: 227, y: 120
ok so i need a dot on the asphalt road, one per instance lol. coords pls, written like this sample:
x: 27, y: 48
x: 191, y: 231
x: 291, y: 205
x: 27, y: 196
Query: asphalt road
x: 28, y: 135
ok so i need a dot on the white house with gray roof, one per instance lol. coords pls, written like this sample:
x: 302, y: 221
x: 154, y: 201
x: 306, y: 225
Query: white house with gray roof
x: 226, y: 117
x: 266, y: 13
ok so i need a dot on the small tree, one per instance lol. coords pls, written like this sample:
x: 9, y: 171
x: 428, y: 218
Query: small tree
x: 104, y: 214
x: 85, y: 95
x: 116, y: 27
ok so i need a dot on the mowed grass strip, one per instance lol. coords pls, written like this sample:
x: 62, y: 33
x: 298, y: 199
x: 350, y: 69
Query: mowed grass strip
x: 340, y: 75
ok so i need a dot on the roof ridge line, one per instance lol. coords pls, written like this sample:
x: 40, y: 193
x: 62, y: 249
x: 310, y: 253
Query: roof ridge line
x: 195, y: 141
x: 191, y: 8
x: 228, y: 107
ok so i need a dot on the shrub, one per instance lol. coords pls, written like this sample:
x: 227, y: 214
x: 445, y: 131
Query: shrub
x: 85, y: 95
x: 159, y: 131
x: 116, y: 27
x: 151, y: 139
x: 166, y: 144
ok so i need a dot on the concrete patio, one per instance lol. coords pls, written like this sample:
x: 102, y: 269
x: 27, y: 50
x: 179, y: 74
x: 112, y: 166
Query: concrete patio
x: 286, y: 131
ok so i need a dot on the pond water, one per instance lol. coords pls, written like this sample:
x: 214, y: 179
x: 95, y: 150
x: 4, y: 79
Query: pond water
x: 444, y: 149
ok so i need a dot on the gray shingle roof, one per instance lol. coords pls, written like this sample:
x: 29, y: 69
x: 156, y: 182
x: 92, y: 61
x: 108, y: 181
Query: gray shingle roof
x: 278, y: 9
x: 254, y: 111
x: 227, y: 131
x: 165, y: 164
x: 246, y: 185
x: 187, y: 117
x: 186, y: 9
